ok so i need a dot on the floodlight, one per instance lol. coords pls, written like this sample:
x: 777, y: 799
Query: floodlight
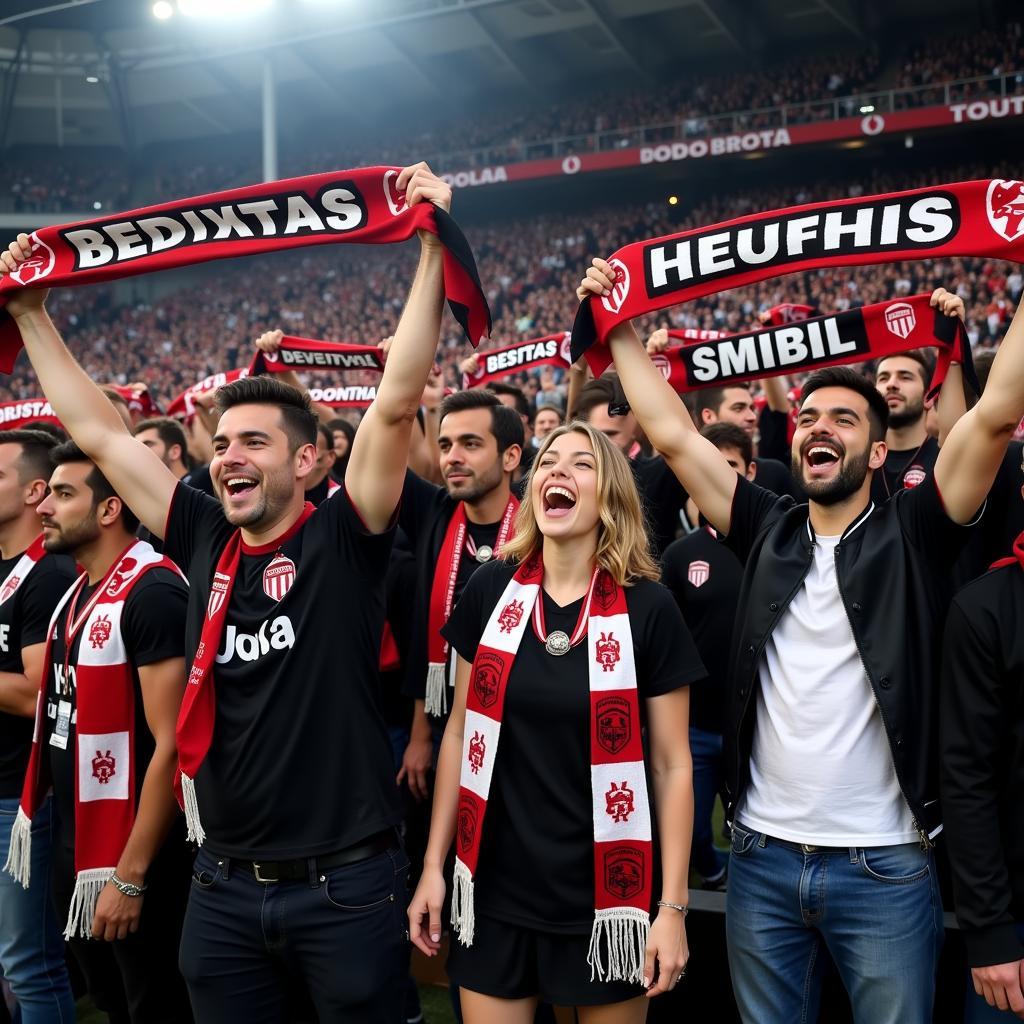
x: 222, y: 8
x: 672, y: 200
x: 868, y: 108
x: 91, y: 79
x: 163, y: 9
x: 97, y: 205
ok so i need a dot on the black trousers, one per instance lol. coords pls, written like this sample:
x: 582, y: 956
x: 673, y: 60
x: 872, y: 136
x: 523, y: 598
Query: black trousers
x: 341, y: 934
x: 136, y: 980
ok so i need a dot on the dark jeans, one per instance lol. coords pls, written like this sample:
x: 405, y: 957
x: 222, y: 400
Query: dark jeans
x: 340, y: 933
x: 135, y: 980
x: 706, y: 751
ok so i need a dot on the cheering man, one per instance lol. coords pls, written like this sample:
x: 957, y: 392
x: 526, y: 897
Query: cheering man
x: 31, y: 584
x: 831, y: 771
x: 454, y: 530
x: 287, y: 776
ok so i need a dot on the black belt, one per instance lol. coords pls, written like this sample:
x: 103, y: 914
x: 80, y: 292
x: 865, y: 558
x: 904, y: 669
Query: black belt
x: 271, y: 871
x: 805, y: 848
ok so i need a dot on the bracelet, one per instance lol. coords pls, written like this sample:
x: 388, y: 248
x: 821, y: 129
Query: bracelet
x: 682, y: 908
x: 128, y: 888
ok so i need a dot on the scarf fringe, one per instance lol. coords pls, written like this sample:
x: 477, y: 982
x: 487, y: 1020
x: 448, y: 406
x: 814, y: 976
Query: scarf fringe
x: 436, y: 702
x: 623, y: 932
x: 88, y: 886
x: 196, y: 833
x: 463, y: 917
x: 19, y: 854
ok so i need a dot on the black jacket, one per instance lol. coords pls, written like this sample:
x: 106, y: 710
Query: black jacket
x: 892, y: 565
x: 982, y: 762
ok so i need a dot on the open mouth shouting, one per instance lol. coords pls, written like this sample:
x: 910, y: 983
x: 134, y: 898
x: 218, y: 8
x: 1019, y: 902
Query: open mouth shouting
x: 559, y: 501
x: 821, y: 457
x: 238, y: 486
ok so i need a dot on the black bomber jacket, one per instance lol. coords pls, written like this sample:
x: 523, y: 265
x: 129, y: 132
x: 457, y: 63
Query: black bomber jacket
x: 893, y: 566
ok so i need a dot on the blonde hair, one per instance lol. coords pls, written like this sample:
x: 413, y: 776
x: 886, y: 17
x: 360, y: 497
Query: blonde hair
x: 622, y: 545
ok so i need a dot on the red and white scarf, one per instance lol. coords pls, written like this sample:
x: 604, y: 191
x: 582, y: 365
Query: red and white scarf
x: 105, y: 779
x: 24, y: 565
x: 20, y: 413
x: 870, y: 332
x: 198, y: 711
x: 621, y: 807
x: 967, y: 218
x: 442, y: 596
x: 361, y: 205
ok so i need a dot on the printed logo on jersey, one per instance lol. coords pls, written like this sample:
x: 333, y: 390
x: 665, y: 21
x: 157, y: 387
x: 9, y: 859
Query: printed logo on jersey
x: 900, y: 319
x: 9, y: 587
x: 698, y: 573
x: 273, y: 635
x: 607, y: 652
x: 218, y: 593
x: 1005, y: 208
x: 278, y: 577
x: 620, y: 290
x: 624, y: 872
x: 914, y: 476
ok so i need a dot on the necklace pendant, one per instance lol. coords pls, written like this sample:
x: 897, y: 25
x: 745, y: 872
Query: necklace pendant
x: 484, y: 553
x: 557, y: 643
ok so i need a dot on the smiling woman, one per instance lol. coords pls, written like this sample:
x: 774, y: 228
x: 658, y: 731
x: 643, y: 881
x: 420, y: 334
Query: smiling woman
x: 565, y: 643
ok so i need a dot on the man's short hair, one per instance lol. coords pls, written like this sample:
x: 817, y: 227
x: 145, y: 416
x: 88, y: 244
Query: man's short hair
x: 327, y: 434
x: 983, y: 365
x: 45, y: 427
x: 169, y: 431
x: 297, y: 418
x: 97, y: 482
x: 522, y: 402
x: 602, y: 390
x: 925, y: 363
x: 36, y: 459
x: 550, y: 407
x: 844, y: 377
x: 728, y: 435
x: 506, y: 424
x: 115, y: 396
x: 708, y: 398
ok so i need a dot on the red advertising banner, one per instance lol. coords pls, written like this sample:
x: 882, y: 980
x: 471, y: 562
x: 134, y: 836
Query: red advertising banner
x: 859, y: 127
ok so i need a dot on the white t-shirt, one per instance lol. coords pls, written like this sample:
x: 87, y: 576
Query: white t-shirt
x: 821, y: 771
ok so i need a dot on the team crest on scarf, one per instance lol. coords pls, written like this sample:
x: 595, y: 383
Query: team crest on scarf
x: 218, y: 591
x: 9, y: 588
x: 510, y: 617
x: 613, y: 303
x: 99, y: 632
x: 467, y: 823
x: 613, y: 724
x: 1005, y: 208
x: 477, y: 750
x: 278, y: 577
x: 104, y: 767
x: 122, y: 576
x: 608, y: 651
x: 624, y: 871
x: 900, y: 319
x: 487, y: 677
x: 698, y: 573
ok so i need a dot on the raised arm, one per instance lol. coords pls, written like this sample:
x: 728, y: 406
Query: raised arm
x: 135, y: 472
x: 971, y: 455
x: 700, y: 467
x: 376, y: 467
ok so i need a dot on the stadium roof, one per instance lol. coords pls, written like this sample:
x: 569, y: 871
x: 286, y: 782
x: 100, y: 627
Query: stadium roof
x: 108, y: 72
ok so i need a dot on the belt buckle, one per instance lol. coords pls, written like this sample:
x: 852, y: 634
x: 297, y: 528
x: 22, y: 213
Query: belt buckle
x: 260, y: 878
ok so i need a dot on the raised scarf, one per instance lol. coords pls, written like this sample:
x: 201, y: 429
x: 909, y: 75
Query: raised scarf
x: 140, y: 401
x: 968, y: 218
x: 442, y: 596
x: 870, y: 332
x: 621, y: 808
x: 105, y: 769
x: 359, y: 205
x: 22, y: 412
x: 311, y: 354
x: 345, y: 396
x: 184, y: 404
x: 194, y: 730
x: 496, y: 363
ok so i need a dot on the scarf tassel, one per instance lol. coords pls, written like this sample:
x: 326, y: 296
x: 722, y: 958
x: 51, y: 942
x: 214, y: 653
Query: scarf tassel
x: 436, y: 701
x: 623, y: 933
x: 196, y: 833
x: 19, y: 856
x: 463, y: 918
x: 88, y: 886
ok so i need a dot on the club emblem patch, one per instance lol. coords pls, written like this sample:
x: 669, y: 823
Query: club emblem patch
x: 624, y: 872
x: 104, y: 767
x: 900, y: 319
x: 698, y: 573
x: 614, y: 728
x: 99, y: 631
x: 278, y: 577
x: 1005, y: 208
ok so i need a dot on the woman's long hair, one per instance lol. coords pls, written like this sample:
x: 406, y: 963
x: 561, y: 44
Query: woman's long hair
x: 622, y: 545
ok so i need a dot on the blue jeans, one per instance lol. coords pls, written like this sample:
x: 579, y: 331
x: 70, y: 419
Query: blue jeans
x: 31, y: 946
x: 976, y: 1010
x: 706, y: 751
x: 341, y: 933
x: 875, y: 910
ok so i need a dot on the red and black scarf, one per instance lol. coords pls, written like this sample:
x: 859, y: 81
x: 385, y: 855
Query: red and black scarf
x: 970, y: 218
x: 311, y: 354
x: 361, y: 205
x: 184, y: 405
x: 496, y: 363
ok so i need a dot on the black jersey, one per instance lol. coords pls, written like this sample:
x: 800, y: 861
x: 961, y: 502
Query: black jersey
x: 153, y: 628
x: 536, y: 864
x: 704, y: 576
x: 300, y: 762
x: 24, y: 619
x: 662, y: 497
x: 904, y: 468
